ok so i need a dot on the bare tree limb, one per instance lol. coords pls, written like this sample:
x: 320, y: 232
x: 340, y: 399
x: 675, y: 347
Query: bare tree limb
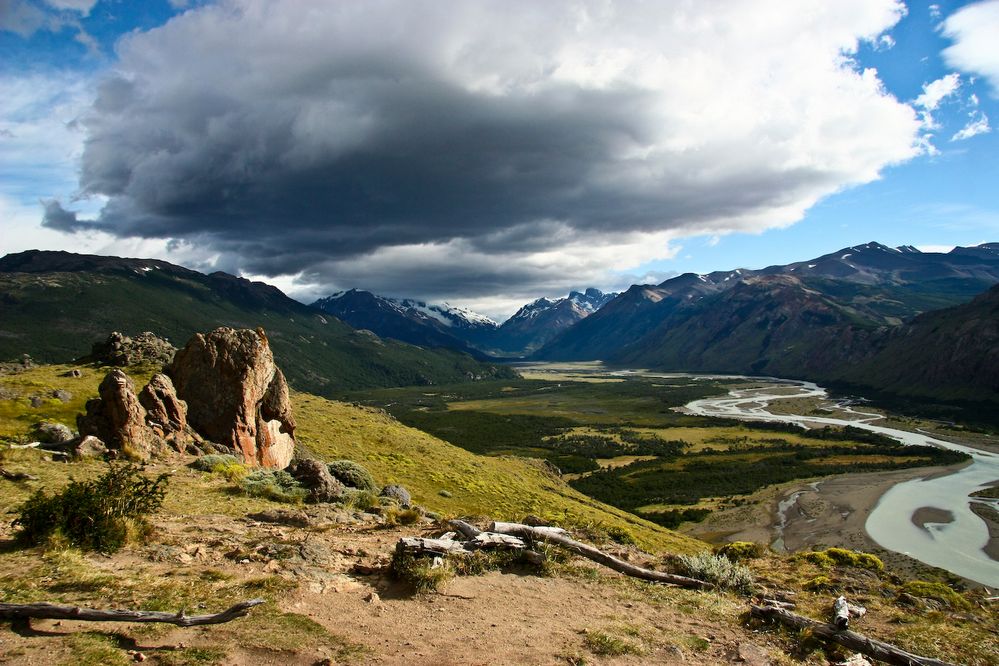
x: 558, y: 537
x: 47, y: 611
x: 849, y: 639
x: 16, y: 476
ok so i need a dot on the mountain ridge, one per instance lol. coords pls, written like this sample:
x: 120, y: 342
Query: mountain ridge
x: 54, y: 305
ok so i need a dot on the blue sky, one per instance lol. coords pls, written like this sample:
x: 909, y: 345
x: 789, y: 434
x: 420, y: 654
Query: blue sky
x: 523, y: 162
x: 940, y: 200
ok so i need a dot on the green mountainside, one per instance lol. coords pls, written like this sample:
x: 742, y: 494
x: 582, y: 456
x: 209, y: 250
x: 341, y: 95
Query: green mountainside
x: 55, y: 305
x: 946, y: 354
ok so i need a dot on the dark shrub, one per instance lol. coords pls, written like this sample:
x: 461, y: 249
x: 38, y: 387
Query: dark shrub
x: 352, y: 475
x: 93, y: 515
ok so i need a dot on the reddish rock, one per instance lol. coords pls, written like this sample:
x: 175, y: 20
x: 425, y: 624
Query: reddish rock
x: 118, y: 419
x: 164, y: 410
x: 236, y: 395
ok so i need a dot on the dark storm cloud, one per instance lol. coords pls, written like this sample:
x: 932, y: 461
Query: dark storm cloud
x: 501, y: 144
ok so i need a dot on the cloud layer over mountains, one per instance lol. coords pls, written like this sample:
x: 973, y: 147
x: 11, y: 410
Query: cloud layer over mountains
x: 409, y: 146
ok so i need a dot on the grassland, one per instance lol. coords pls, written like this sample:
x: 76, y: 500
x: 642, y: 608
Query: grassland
x: 204, y: 554
x: 444, y: 478
x: 622, y: 441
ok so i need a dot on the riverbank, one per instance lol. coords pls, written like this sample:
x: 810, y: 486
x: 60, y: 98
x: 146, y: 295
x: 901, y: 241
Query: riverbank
x: 819, y: 514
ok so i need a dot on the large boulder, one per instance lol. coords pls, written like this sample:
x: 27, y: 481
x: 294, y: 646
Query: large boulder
x: 118, y: 418
x: 49, y: 432
x: 120, y: 350
x: 315, y: 477
x: 235, y: 394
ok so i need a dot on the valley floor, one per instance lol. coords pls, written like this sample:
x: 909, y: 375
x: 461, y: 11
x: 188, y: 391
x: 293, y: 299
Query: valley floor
x: 830, y: 512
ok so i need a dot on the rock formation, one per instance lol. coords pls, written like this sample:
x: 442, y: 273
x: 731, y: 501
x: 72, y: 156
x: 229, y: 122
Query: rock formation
x: 118, y: 418
x: 165, y: 412
x: 236, y: 395
x: 120, y: 350
x: 315, y: 476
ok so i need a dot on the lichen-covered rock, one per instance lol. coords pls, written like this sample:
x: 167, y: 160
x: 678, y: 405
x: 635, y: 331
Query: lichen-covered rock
x: 315, y: 477
x: 118, y: 419
x: 120, y: 350
x: 49, y: 432
x: 89, y: 447
x: 236, y: 395
x: 399, y: 494
x: 62, y: 395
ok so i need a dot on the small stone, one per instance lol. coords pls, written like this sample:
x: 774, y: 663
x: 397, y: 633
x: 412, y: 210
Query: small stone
x: 373, y: 598
x: 36, y: 401
x: 138, y: 656
x: 90, y: 447
x: 397, y: 493
x: 62, y: 395
x: 753, y: 655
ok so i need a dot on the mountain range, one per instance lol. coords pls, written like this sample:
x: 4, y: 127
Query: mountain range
x: 444, y: 325
x: 55, y: 305
x: 842, y: 316
x: 892, y: 320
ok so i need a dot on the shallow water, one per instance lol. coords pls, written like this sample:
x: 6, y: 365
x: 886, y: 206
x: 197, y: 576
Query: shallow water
x: 956, y: 546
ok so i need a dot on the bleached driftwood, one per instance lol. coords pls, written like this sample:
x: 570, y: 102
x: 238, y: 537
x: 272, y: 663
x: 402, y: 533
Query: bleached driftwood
x: 516, y: 536
x: 849, y: 639
x: 559, y: 537
x: 787, y: 605
x: 46, y: 611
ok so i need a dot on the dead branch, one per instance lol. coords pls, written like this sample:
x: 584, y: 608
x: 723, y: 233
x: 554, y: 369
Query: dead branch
x: 514, y: 536
x: 558, y: 537
x: 16, y: 476
x: 46, y: 611
x: 849, y: 639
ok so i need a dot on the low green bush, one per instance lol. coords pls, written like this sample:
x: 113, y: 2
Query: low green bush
x: 276, y: 485
x: 938, y: 592
x: 818, y: 584
x: 211, y: 461
x: 716, y: 569
x: 93, y: 515
x: 843, y: 557
x: 421, y: 573
x: 738, y: 551
x: 352, y: 475
x: 361, y: 500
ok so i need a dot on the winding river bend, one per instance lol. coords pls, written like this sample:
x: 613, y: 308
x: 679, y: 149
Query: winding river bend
x: 956, y: 545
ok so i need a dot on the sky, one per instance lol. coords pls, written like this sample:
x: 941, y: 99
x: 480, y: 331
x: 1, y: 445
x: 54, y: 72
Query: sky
x: 488, y: 153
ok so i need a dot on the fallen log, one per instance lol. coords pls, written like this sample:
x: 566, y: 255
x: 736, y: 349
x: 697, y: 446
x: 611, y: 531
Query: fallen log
x: 558, y: 537
x: 47, y: 611
x: 16, y: 476
x: 848, y: 639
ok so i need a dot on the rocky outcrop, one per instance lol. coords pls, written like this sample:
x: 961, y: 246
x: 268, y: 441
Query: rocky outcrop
x: 236, y: 395
x: 118, y: 418
x: 165, y: 412
x: 120, y: 350
x: 315, y: 476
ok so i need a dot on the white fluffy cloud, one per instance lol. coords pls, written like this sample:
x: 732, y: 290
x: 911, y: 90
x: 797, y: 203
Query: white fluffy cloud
x: 979, y: 124
x: 974, y: 29
x: 937, y: 91
x: 451, y: 150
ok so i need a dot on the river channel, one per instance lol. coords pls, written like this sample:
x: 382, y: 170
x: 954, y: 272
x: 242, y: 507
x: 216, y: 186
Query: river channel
x: 956, y: 545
